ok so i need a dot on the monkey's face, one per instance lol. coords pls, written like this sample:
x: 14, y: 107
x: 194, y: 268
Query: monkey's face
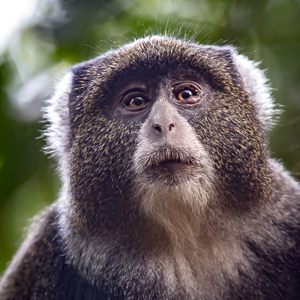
x: 168, y: 150
x: 172, y: 170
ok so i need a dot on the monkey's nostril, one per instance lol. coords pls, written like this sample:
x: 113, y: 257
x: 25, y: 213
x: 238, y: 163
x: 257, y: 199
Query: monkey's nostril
x: 157, y: 128
x: 171, y: 126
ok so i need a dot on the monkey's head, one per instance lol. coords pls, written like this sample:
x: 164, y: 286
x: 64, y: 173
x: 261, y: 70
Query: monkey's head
x: 157, y: 124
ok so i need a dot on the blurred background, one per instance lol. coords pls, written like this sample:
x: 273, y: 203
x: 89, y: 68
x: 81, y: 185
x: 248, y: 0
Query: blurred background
x: 39, y: 39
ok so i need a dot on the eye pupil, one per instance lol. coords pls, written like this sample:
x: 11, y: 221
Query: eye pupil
x: 138, y: 101
x: 185, y: 94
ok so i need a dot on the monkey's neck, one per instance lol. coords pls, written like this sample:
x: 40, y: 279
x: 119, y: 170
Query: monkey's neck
x: 196, y: 248
x: 188, y: 244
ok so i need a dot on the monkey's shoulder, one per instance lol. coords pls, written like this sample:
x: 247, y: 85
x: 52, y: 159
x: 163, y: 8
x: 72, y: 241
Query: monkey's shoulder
x: 273, y: 241
x: 40, y: 269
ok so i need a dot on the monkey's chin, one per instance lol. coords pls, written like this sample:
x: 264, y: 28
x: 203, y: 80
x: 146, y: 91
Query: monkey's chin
x: 171, y: 172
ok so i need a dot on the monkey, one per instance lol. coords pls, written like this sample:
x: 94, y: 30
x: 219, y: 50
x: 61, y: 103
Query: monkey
x: 168, y: 187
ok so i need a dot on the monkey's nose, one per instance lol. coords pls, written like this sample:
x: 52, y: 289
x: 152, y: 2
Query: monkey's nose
x: 163, y: 122
x: 163, y: 128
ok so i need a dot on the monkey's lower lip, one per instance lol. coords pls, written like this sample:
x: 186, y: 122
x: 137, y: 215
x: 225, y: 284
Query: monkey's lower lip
x: 173, y: 168
x: 172, y: 172
x: 171, y: 165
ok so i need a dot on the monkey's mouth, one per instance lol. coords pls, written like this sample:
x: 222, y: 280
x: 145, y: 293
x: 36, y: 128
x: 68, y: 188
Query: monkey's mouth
x: 171, y: 166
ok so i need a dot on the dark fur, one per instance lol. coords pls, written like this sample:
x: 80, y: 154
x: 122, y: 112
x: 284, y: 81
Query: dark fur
x: 96, y: 242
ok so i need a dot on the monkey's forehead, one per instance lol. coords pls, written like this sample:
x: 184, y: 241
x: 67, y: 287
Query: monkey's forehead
x: 162, y: 52
x: 157, y: 55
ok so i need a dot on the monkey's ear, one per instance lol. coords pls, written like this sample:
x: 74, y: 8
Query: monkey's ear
x: 80, y: 82
x: 85, y: 88
x: 256, y: 84
x: 64, y: 109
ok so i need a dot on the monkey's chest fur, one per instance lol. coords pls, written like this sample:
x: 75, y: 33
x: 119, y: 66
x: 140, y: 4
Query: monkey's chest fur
x: 105, y: 269
x: 182, y: 264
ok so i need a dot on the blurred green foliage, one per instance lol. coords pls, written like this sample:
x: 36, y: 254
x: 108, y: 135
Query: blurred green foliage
x: 61, y: 35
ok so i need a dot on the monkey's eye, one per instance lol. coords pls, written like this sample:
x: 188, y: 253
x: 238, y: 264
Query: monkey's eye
x: 185, y: 94
x: 135, y: 103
